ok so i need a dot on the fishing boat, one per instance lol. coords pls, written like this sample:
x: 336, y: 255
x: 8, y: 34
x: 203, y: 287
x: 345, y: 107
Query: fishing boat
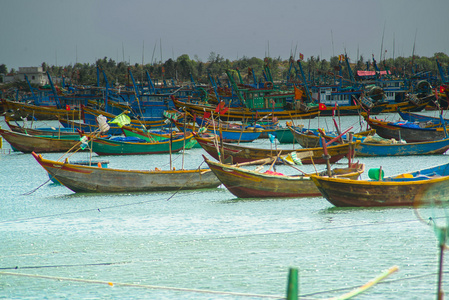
x: 80, y: 125
x: 243, y: 113
x: 97, y: 163
x: 264, y: 127
x: 228, y: 135
x: 389, y: 148
x: 133, y: 146
x: 88, y: 122
x: 416, y: 188
x: 245, y: 183
x: 405, y: 106
x: 285, y: 136
x: 241, y: 154
x: 376, y: 146
x: 94, y: 179
x: 408, y: 131
x: 310, y: 138
x: 158, y: 135
x: 17, y: 110
x: 47, y: 131
x: 27, y: 143
x: 414, y: 117
x: 90, y: 115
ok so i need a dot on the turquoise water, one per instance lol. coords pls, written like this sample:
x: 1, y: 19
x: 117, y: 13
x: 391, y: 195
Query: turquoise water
x: 187, y: 244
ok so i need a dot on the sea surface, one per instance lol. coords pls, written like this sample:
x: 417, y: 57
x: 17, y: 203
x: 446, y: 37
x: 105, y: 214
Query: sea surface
x: 207, y: 244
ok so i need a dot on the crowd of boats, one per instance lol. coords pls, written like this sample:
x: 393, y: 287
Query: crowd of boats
x: 142, y: 119
x: 228, y: 144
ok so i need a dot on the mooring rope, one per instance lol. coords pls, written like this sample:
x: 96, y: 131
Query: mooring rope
x: 155, y: 287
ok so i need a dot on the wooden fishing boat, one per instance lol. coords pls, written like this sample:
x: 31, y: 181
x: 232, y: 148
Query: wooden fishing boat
x: 229, y: 135
x: 245, y: 183
x: 47, y: 131
x: 405, y: 106
x: 91, y: 114
x: 373, y: 146
x: 97, y: 163
x: 264, y: 125
x: 120, y: 146
x: 44, y: 144
x: 92, y: 179
x: 416, y: 188
x: 159, y: 135
x: 17, y: 110
x: 368, y: 148
x: 413, y: 117
x: 307, y: 138
x: 311, y: 138
x: 241, y: 113
x: 410, y: 132
x: 80, y: 125
x: 241, y: 154
x: 285, y: 136
x: 89, y: 124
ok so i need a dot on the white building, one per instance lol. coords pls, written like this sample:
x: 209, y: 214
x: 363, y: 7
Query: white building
x: 36, y: 75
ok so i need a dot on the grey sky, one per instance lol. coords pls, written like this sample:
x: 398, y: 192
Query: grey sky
x: 63, y: 32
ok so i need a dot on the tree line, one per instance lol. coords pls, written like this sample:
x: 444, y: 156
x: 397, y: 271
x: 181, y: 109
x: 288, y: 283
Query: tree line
x: 317, y: 70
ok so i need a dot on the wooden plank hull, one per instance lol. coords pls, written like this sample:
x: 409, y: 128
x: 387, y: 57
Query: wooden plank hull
x: 349, y: 110
x: 53, y: 132
x: 111, y: 147
x: 284, y: 135
x: 411, y: 117
x: 388, y: 130
x: 420, y: 148
x: 29, y: 143
x: 153, y: 137
x: 244, y: 183
x: 366, y: 149
x: 89, y: 179
x: 16, y: 110
x: 402, y: 106
x: 402, y: 190
x: 241, y: 154
x: 239, y: 114
x: 306, y: 139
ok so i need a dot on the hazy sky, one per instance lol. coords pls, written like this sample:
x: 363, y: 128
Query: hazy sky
x: 63, y: 32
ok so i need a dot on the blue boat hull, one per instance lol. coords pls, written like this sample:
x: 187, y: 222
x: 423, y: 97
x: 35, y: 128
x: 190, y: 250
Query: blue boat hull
x: 421, y: 148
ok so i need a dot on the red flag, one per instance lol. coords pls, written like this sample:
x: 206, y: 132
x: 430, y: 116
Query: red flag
x: 225, y: 110
x: 67, y: 107
x: 301, y: 56
x: 206, y: 115
x: 221, y: 108
x: 322, y: 106
x: 218, y: 108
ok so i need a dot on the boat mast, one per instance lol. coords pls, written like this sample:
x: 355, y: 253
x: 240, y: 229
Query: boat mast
x: 31, y: 89
x: 106, y: 95
x: 306, y: 86
x: 58, y: 103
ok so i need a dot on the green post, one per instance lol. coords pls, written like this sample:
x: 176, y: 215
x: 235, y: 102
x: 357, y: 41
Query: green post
x: 292, y: 285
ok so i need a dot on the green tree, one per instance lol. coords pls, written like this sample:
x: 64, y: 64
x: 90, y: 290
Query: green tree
x: 184, y: 66
x: 3, y: 69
